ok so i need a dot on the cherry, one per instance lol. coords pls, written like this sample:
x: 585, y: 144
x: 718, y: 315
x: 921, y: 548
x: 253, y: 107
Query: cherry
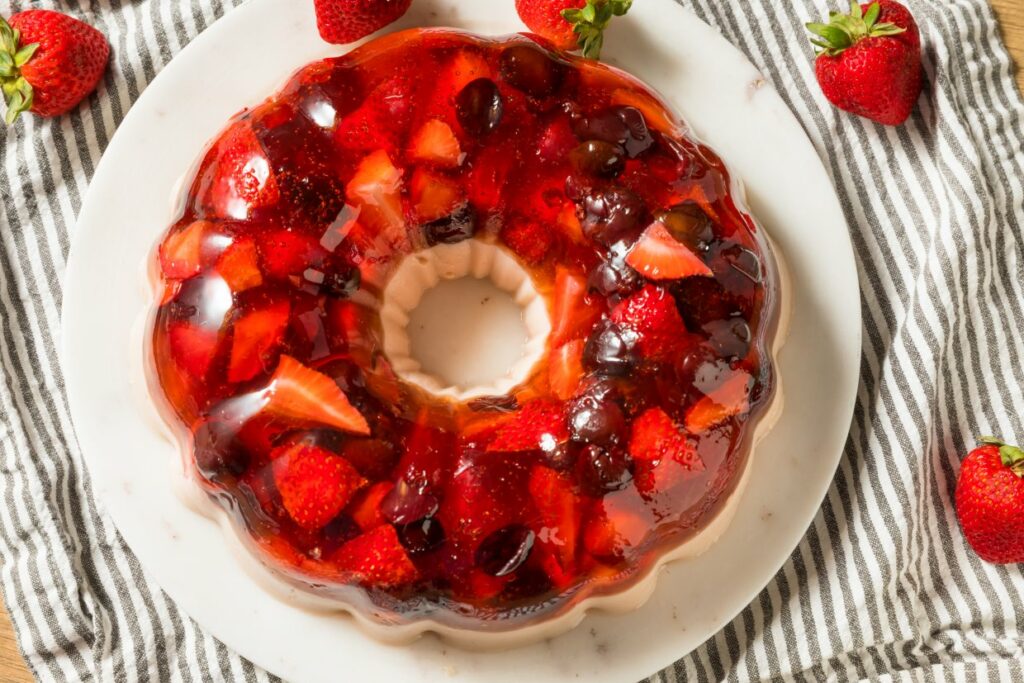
x: 614, y: 277
x: 598, y: 158
x: 421, y: 536
x: 479, y: 106
x: 597, y: 418
x: 611, y: 349
x: 342, y: 282
x: 689, y: 224
x: 406, y: 504
x: 612, y: 215
x: 459, y: 226
x: 603, y: 470
x: 531, y: 70
x: 505, y: 550
x: 623, y: 126
x: 731, y: 338
x: 218, y: 451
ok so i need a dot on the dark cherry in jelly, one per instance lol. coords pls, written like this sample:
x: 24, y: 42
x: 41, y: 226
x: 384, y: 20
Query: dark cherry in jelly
x: 625, y: 439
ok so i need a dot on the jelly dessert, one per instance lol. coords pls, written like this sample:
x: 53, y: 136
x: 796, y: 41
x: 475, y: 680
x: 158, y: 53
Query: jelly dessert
x: 624, y: 441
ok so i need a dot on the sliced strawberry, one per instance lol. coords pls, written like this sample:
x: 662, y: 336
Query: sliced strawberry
x: 298, y: 393
x: 376, y: 190
x: 559, y: 520
x: 538, y: 424
x: 569, y: 222
x: 193, y: 347
x: 376, y: 559
x: 614, y: 529
x: 489, y: 173
x: 730, y: 398
x: 433, y: 196
x: 315, y: 484
x: 529, y: 240
x: 239, y: 266
x: 287, y: 252
x: 653, y: 315
x: 257, y: 334
x: 181, y: 252
x: 573, y: 312
x: 556, y: 141
x: 565, y: 369
x: 662, y: 453
x: 242, y: 178
x: 365, y: 510
x: 657, y: 255
x: 436, y: 144
x: 381, y: 120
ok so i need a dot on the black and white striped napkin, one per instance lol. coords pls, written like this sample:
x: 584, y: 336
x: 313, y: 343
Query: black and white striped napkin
x: 883, y: 584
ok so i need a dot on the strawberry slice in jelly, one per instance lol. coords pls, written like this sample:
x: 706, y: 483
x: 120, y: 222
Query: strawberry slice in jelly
x: 256, y: 335
x: 435, y: 143
x: 377, y: 558
x: 375, y: 189
x: 239, y: 266
x: 730, y: 398
x: 297, y: 393
x: 315, y: 485
x: 240, y: 177
x: 660, y: 256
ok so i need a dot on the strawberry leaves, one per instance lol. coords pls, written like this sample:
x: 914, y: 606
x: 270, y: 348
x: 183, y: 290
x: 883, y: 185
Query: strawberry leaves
x: 844, y: 30
x: 17, y: 91
x: 1011, y: 456
x: 590, y: 21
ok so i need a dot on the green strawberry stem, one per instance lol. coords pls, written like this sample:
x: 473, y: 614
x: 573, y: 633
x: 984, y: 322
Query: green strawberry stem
x: 588, y: 23
x: 17, y: 91
x: 845, y: 30
x: 1011, y: 456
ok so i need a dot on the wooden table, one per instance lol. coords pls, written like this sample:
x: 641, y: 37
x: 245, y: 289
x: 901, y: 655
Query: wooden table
x: 1011, y: 15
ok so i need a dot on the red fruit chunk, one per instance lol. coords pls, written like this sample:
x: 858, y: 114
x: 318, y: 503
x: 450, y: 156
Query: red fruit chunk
x: 193, y: 347
x: 558, y: 523
x: 544, y: 17
x: 242, y: 177
x: 297, y: 393
x: 436, y: 144
x: 433, y: 196
x: 286, y: 252
x: 257, y: 334
x: 381, y: 120
x: 489, y: 173
x: 989, y: 496
x: 663, y: 454
x: 573, y: 313
x: 528, y: 240
x: 315, y: 485
x: 181, y: 252
x: 376, y: 558
x: 731, y: 398
x: 616, y: 527
x: 658, y: 255
x: 556, y: 141
x: 346, y: 21
x: 366, y: 509
x: 566, y: 369
x: 239, y: 266
x: 652, y: 314
x: 375, y: 189
x: 537, y: 425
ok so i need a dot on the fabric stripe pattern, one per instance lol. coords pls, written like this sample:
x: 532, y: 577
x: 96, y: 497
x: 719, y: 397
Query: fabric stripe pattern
x: 882, y: 586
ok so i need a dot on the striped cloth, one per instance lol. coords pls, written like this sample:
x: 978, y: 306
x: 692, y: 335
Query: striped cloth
x: 882, y: 585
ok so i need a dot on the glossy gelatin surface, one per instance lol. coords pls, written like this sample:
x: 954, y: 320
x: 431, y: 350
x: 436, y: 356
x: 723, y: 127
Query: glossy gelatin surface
x: 625, y: 440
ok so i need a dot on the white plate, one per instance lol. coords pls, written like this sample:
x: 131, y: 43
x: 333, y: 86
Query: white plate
x: 241, y: 60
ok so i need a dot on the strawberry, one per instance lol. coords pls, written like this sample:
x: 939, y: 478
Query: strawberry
x: 869, y: 61
x: 730, y: 398
x: 558, y: 522
x: 287, y: 252
x: 556, y: 141
x: 52, y: 61
x: 239, y: 266
x: 573, y: 312
x: 565, y: 369
x: 375, y: 189
x: 989, y: 497
x: 192, y: 347
x: 435, y: 143
x: 657, y: 255
x: 315, y: 485
x: 652, y: 314
x: 376, y: 558
x: 381, y: 121
x: 365, y: 510
x: 295, y: 392
x: 538, y: 424
x: 433, y: 196
x: 614, y: 528
x: 346, y: 21
x: 257, y: 334
x: 529, y: 240
x: 181, y: 252
x: 662, y: 453
x: 238, y: 176
x: 571, y: 24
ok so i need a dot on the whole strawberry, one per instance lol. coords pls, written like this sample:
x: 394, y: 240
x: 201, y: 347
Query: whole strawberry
x: 572, y: 24
x: 346, y: 21
x: 870, y: 61
x: 989, y: 500
x: 49, y: 62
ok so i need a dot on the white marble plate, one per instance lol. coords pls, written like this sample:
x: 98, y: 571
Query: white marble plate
x: 242, y: 59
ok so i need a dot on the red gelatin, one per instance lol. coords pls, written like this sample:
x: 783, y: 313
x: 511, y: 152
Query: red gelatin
x: 626, y: 439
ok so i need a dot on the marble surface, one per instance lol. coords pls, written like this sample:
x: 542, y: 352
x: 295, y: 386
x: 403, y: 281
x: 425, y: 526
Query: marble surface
x: 728, y: 104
